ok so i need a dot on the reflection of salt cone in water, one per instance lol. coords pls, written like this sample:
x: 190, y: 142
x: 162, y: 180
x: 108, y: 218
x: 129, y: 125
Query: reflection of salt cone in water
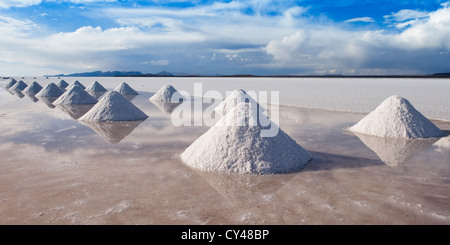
x: 32, y: 97
x: 113, y: 132
x: 244, y: 189
x: 5, y: 88
x: 18, y: 93
x: 165, y: 106
x: 75, y: 111
x: 395, y: 152
x: 49, y: 101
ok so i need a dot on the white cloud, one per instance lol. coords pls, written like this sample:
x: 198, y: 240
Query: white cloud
x: 27, y: 3
x: 406, y: 14
x: 158, y: 62
x: 220, y: 36
x: 361, y: 19
x: 340, y: 49
x: 14, y: 27
x: 18, y: 3
x: 287, y: 48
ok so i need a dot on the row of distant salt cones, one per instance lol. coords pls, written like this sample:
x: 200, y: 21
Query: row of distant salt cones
x: 243, y: 150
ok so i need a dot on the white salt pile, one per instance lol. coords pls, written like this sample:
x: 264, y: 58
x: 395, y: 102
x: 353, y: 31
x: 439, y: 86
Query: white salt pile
x: 114, y: 107
x: 62, y: 84
x: 238, y: 96
x: 10, y: 83
x: 241, y: 149
x: 51, y: 90
x: 165, y: 94
x: 75, y: 83
x: 75, y: 95
x: 397, y: 118
x: 33, y: 88
x: 19, y: 86
x: 125, y: 89
x: 96, y: 87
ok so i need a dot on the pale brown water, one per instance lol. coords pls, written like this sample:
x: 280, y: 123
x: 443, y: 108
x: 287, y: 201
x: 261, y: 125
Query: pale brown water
x: 56, y: 170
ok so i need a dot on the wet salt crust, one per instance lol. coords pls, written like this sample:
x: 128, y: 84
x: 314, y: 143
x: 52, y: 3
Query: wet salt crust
x: 114, y: 107
x: 75, y: 95
x: 51, y: 90
x: 125, y: 89
x: 229, y: 148
x: 397, y: 118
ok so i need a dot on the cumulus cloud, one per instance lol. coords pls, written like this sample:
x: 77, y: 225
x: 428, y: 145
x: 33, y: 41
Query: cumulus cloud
x: 227, y: 37
x: 418, y: 47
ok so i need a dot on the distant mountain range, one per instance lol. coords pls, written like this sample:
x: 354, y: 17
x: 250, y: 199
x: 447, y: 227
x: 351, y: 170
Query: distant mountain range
x: 179, y: 74
x: 113, y: 74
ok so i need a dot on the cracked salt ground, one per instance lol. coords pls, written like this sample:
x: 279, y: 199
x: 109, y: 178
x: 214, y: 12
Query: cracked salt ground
x: 124, y: 184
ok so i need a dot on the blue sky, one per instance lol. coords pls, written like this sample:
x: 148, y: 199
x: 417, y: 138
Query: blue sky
x: 264, y: 37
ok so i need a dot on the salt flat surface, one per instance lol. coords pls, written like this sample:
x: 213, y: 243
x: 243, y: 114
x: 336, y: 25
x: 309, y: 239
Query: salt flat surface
x: 56, y: 170
x: 429, y: 96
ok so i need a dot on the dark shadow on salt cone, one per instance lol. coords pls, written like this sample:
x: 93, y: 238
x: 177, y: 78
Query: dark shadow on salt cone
x: 75, y: 111
x: 130, y: 97
x: 395, y: 152
x: 97, y: 95
x: 32, y: 97
x: 245, y: 190
x: 165, y: 106
x: 49, y: 101
x: 113, y: 132
x: 18, y: 93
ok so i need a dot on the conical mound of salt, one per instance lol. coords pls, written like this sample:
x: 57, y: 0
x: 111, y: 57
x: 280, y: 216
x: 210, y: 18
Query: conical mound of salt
x: 96, y: 87
x: 10, y: 83
x: 62, y: 84
x: 234, y: 99
x: 51, y: 90
x: 229, y: 148
x: 75, y: 83
x: 164, y: 94
x: 114, y: 107
x: 19, y: 86
x: 125, y: 89
x: 397, y: 118
x: 33, y: 88
x: 75, y: 95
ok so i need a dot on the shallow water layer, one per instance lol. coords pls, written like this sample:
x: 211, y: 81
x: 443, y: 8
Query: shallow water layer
x: 57, y: 170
